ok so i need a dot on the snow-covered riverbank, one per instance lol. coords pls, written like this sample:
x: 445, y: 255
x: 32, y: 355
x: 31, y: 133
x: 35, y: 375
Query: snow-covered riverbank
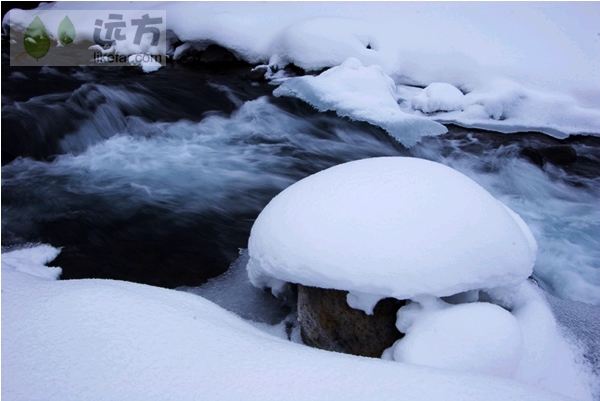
x: 157, y: 178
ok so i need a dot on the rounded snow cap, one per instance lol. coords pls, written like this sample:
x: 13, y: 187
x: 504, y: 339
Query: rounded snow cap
x: 389, y: 227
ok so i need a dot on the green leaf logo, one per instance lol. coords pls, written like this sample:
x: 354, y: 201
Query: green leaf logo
x: 37, y: 40
x: 66, y: 31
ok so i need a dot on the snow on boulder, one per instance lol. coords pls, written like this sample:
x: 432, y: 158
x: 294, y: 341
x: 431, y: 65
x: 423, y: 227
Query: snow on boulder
x: 363, y: 94
x: 145, y: 61
x: 389, y: 227
x: 475, y: 337
x: 438, y: 96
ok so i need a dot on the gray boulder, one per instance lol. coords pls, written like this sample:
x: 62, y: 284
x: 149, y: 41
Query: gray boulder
x: 327, y: 322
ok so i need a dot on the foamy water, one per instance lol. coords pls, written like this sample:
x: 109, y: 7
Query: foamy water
x: 117, y: 161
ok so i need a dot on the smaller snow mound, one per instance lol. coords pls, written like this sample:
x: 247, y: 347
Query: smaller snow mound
x: 438, y: 96
x: 146, y: 61
x: 505, y: 106
x: 363, y: 94
x: 473, y: 337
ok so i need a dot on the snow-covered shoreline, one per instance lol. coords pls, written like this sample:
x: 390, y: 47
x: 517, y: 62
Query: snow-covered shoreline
x: 106, y: 339
x: 521, y: 66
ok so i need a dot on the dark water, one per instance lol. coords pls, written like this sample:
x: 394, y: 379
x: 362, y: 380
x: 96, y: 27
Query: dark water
x: 61, y: 186
x: 157, y: 178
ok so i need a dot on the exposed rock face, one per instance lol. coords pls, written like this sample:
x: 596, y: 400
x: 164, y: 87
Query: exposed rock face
x: 327, y: 322
x: 257, y: 74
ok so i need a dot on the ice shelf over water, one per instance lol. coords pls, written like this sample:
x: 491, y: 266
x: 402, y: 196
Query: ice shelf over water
x: 360, y: 93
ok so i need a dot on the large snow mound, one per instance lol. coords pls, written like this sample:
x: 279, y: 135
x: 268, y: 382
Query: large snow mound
x: 360, y: 93
x: 105, y: 339
x: 390, y: 226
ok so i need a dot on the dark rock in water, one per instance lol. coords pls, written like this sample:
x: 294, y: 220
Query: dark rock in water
x: 327, y: 322
x: 293, y: 69
x: 217, y: 54
x: 533, y: 156
x: 213, y: 56
x: 257, y: 74
x: 560, y: 155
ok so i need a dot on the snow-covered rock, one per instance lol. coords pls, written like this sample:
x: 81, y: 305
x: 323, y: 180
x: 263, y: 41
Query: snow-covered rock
x: 404, y: 228
x: 438, y: 96
x: 389, y: 227
x: 145, y: 61
x: 324, y: 42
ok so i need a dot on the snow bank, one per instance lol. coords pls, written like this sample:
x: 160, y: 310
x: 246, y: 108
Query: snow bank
x: 506, y: 106
x: 549, y: 54
x: 325, y: 42
x: 118, y: 340
x: 391, y: 226
x: 549, y: 358
x: 360, y: 93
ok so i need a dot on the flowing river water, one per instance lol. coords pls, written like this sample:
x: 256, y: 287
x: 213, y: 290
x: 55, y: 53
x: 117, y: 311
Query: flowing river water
x: 157, y: 178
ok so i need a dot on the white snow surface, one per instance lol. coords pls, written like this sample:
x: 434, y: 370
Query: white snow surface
x: 476, y: 337
x: 145, y: 61
x: 511, y: 332
x: 104, y: 339
x: 523, y: 65
x: 438, y: 96
x: 549, y: 356
x: 360, y: 93
x: 389, y: 226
